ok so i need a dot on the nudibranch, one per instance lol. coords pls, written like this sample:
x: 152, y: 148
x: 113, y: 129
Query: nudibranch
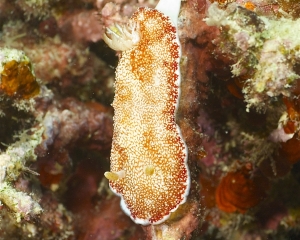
x: 149, y: 157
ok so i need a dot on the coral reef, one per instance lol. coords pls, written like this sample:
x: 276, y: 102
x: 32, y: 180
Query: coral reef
x: 18, y: 82
x: 251, y: 120
x: 264, y: 51
x: 238, y: 113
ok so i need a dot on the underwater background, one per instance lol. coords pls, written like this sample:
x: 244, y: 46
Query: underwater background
x: 239, y: 115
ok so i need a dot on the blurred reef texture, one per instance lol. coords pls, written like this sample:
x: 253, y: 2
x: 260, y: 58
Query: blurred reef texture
x: 239, y: 114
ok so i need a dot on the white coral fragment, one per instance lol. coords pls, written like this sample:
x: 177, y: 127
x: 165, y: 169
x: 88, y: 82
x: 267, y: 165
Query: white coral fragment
x: 279, y: 135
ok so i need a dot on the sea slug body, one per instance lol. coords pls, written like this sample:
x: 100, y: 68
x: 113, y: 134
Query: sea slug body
x: 148, y: 157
